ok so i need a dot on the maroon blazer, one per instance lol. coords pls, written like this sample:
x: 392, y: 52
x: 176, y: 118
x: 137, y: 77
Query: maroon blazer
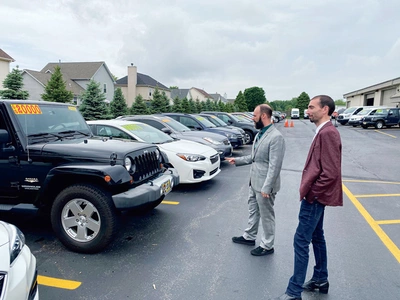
x: 322, y: 174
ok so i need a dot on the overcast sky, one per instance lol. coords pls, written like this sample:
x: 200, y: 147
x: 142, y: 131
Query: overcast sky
x: 286, y: 47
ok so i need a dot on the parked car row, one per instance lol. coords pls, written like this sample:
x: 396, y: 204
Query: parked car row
x: 369, y: 116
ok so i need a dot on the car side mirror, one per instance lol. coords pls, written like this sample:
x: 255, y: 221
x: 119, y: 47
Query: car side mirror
x: 5, y: 141
x: 166, y: 130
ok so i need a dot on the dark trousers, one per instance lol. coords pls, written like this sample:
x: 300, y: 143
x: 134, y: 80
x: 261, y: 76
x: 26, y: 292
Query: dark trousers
x: 309, y: 230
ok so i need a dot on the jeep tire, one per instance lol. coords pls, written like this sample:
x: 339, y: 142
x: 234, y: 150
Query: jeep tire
x: 84, y: 218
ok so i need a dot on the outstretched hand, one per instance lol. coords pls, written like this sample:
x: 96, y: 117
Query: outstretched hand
x: 231, y: 160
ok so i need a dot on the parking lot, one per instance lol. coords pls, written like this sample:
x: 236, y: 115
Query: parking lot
x: 183, y: 249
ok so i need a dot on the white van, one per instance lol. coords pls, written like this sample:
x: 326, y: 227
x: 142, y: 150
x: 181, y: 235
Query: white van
x: 305, y: 114
x: 295, y: 113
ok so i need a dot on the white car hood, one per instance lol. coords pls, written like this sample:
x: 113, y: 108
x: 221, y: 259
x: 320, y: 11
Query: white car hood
x: 189, y: 147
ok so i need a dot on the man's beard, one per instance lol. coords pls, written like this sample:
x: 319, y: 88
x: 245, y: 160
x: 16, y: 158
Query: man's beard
x: 259, y: 124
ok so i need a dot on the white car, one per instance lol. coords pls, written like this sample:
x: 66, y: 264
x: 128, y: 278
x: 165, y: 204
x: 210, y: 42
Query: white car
x: 193, y: 161
x: 18, y: 276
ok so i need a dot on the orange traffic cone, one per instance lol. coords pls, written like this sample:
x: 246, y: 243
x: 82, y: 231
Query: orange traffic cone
x: 286, y: 123
x: 291, y: 124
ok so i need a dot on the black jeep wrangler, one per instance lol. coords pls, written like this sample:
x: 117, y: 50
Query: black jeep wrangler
x: 50, y: 161
x: 382, y: 117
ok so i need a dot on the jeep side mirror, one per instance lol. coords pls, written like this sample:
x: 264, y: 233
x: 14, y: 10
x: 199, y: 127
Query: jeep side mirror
x: 5, y: 141
x: 166, y: 130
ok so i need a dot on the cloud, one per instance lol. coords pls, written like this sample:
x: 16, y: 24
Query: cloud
x: 285, y: 47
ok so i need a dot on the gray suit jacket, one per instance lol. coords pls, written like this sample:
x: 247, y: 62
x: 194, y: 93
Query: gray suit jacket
x: 266, y: 161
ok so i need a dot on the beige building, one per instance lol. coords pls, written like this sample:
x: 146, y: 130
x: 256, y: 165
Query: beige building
x: 135, y: 84
x: 382, y: 94
x: 5, y: 61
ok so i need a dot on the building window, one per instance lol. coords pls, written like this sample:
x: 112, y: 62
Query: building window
x: 105, y: 88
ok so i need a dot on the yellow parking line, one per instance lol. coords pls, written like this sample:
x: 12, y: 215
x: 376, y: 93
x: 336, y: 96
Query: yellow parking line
x: 386, y: 134
x: 170, y: 202
x: 385, y: 222
x: 376, y: 195
x: 58, y: 283
x: 374, y: 225
x: 371, y: 181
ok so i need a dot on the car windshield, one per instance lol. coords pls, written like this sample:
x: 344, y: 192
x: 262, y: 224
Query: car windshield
x: 205, y: 122
x: 44, y: 119
x: 147, y: 133
x: 350, y: 110
x: 364, y: 112
x: 217, y: 121
x: 242, y: 118
x: 175, y: 125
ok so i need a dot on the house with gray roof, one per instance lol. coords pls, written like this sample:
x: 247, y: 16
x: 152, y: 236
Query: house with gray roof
x: 5, y: 61
x: 135, y: 84
x: 77, y: 76
x: 192, y: 93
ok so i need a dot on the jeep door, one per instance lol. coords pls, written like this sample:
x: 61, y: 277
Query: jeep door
x: 393, y: 117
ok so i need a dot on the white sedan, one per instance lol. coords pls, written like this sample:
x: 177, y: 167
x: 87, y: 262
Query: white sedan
x: 193, y: 161
x: 18, y: 276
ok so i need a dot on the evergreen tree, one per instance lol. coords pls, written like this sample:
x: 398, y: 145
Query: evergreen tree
x: 221, y: 106
x: 240, y: 102
x: 139, y: 107
x: 302, y: 103
x: 13, y: 84
x: 157, y: 104
x: 118, y: 105
x: 56, y: 89
x: 165, y: 99
x: 209, y: 106
x: 192, y: 107
x: 229, y: 107
x: 199, y: 107
x: 177, y: 106
x: 93, y: 106
x: 185, y: 106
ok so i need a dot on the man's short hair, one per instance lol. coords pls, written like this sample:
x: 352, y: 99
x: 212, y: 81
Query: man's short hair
x: 325, y: 100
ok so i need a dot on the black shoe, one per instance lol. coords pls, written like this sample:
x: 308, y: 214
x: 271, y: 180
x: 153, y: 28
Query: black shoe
x: 242, y: 240
x: 260, y: 251
x: 322, y: 286
x: 286, y: 297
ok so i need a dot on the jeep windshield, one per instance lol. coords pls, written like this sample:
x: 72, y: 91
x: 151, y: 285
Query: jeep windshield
x: 50, y: 121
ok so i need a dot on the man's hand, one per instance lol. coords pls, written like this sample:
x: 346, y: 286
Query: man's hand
x: 231, y: 160
x: 264, y: 195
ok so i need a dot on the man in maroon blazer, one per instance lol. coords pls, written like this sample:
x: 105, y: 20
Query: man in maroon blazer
x: 321, y: 185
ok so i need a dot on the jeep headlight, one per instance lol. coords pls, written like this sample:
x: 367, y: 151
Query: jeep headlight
x: 128, y: 163
x: 158, y: 155
x: 17, y: 241
x: 230, y: 135
x: 191, y: 157
x: 212, y: 141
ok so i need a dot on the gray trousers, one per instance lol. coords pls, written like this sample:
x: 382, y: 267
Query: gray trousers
x: 261, y: 208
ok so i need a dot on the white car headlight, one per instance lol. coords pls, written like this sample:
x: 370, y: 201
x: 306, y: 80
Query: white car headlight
x: 17, y: 241
x: 191, y: 157
x: 210, y: 140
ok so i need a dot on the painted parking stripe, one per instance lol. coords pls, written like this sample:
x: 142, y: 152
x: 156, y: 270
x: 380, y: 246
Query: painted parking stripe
x: 374, y: 225
x: 58, y: 283
x: 370, y: 181
x: 170, y: 202
x: 388, y: 222
x: 378, y: 131
x: 376, y: 195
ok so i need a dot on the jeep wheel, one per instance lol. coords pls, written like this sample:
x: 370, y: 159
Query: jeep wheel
x: 84, y: 218
x: 379, y: 125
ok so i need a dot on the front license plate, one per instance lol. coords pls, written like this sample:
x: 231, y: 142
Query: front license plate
x: 166, y: 187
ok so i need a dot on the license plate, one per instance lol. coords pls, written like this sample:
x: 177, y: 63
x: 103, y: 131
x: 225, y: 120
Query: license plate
x: 166, y: 187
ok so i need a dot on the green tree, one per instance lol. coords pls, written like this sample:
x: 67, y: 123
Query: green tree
x: 118, y: 105
x: 192, y: 106
x: 157, y: 104
x: 254, y: 96
x: 139, y: 107
x: 209, y: 106
x: 199, y: 107
x: 56, y: 88
x: 340, y: 102
x: 13, y: 84
x: 165, y: 100
x: 185, y: 106
x: 93, y: 106
x: 240, y: 102
x: 229, y: 107
x: 174, y: 87
x: 302, y: 103
x: 221, y: 106
x: 177, y: 106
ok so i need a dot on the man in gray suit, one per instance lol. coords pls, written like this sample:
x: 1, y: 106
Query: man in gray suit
x: 266, y: 162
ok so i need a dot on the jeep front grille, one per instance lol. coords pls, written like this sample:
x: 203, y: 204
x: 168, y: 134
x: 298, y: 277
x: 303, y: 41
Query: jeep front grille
x: 147, y: 165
